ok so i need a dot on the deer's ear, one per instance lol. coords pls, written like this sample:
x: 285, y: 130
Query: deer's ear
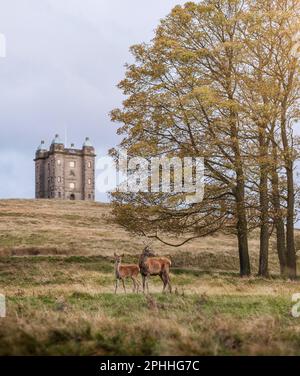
x: 123, y: 255
x: 115, y: 254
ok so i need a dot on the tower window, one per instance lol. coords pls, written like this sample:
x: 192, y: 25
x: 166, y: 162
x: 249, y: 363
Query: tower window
x: 89, y: 164
x: 58, y: 162
x: 59, y: 179
x: 72, y: 164
x: 89, y: 181
x: 72, y: 185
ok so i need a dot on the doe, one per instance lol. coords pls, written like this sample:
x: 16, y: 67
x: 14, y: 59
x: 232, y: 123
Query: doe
x: 152, y: 266
x: 126, y: 271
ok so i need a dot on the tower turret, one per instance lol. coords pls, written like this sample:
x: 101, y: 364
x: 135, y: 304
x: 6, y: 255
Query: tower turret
x: 40, y: 157
x: 57, y: 144
x: 88, y: 170
x: 42, y: 146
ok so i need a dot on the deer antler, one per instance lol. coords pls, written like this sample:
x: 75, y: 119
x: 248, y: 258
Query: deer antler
x: 147, y: 242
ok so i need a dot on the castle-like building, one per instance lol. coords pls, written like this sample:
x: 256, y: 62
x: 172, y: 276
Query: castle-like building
x: 65, y: 173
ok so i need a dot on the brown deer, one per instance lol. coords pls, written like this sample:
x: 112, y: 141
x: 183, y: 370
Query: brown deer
x: 153, y: 266
x: 126, y: 271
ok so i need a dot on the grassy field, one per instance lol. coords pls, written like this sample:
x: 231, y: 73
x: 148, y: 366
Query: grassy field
x: 56, y: 270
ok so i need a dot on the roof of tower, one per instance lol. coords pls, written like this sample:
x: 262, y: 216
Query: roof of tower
x: 87, y: 142
x: 57, y: 140
x: 41, y: 146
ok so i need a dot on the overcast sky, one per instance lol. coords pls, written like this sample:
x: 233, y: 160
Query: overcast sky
x: 64, y: 59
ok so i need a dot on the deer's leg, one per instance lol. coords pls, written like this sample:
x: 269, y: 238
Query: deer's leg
x: 123, y: 282
x: 144, y: 283
x: 166, y: 283
x: 162, y: 277
x: 169, y: 283
x: 147, y: 280
x: 117, y: 284
x: 169, y: 280
x: 138, y: 284
x: 134, y: 284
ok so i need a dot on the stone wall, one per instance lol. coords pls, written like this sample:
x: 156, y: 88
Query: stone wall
x: 65, y: 174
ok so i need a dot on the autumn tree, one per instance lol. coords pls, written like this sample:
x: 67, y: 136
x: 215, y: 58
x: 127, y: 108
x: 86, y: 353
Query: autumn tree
x: 208, y: 85
x: 286, y: 72
x: 271, y: 90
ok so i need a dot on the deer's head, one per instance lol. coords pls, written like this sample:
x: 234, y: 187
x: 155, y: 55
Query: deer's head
x: 147, y: 252
x: 118, y: 259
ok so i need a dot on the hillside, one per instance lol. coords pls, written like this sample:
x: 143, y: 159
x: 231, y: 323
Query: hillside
x: 59, y: 291
x: 29, y: 227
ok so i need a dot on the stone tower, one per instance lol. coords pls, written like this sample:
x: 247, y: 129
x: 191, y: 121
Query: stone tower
x: 65, y: 173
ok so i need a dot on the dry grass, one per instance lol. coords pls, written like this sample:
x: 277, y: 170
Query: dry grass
x: 47, y: 227
x: 60, y: 301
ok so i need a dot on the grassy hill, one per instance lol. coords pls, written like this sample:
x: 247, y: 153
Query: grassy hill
x: 56, y: 271
x: 47, y: 227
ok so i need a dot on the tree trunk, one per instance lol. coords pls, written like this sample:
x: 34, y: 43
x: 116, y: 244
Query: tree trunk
x: 290, y: 235
x: 263, y: 270
x: 239, y: 192
x: 289, y: 164
x: 278, y: 217
x: 242, y: 230
x: 264, y: 230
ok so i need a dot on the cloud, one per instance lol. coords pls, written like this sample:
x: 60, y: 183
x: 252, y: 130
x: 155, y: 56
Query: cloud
x: 16, y: 174
x: 64, y: 59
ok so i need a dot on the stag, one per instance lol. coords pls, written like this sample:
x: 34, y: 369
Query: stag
x: 123, y: 271
x: 154, y: 266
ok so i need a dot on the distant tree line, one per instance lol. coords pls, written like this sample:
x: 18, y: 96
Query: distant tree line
x: 219, y: 80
